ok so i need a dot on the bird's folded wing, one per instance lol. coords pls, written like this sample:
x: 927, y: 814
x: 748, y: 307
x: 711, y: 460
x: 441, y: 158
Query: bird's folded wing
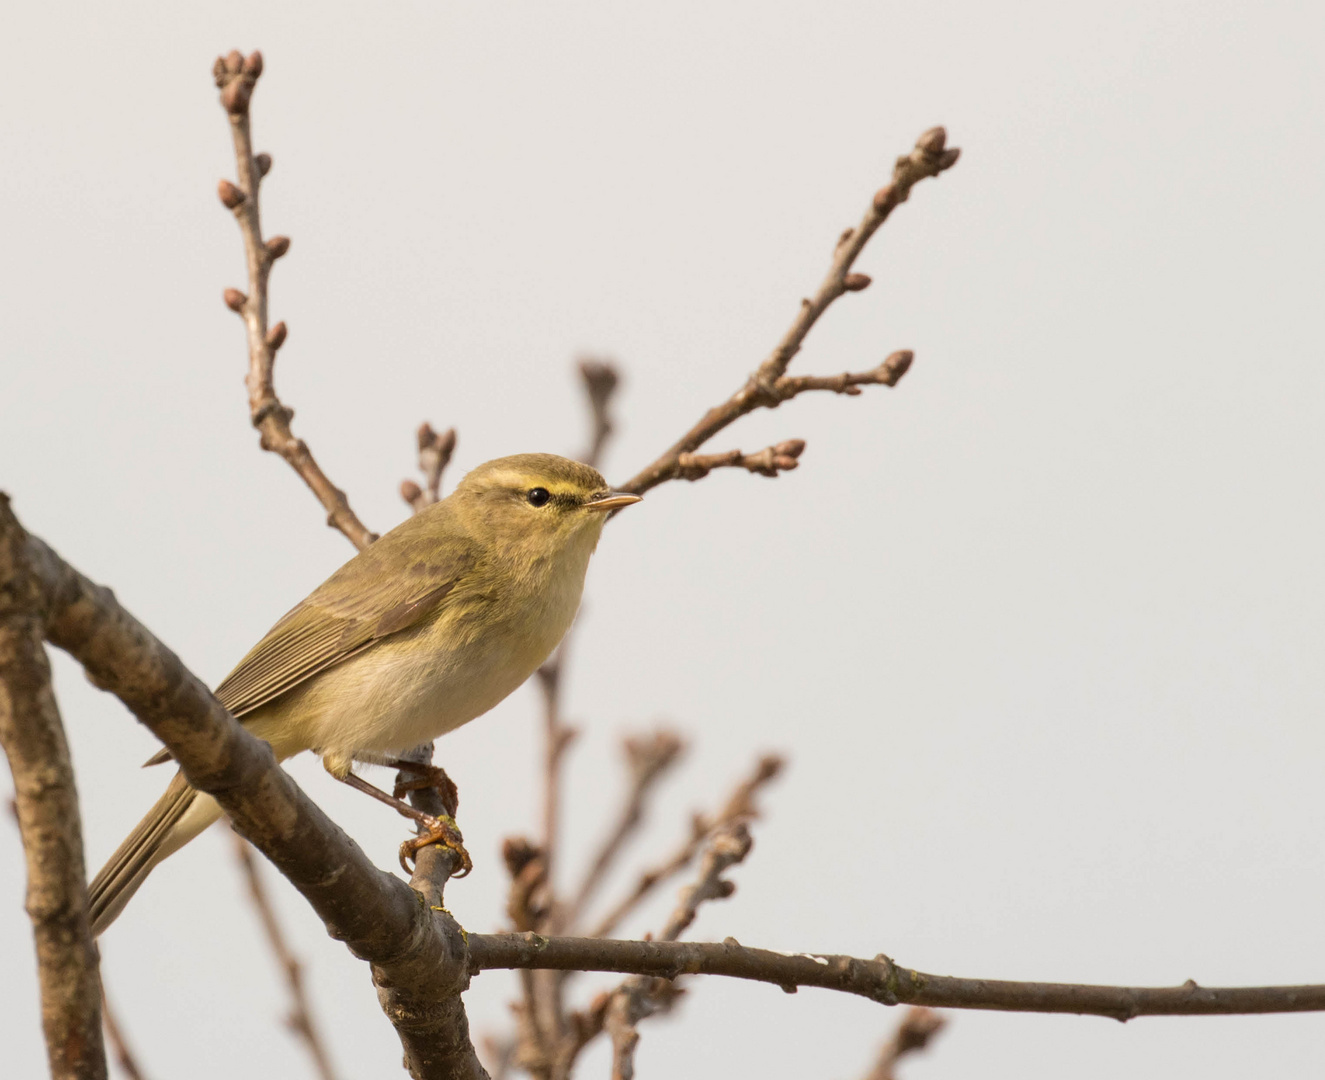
x: 387, y: 588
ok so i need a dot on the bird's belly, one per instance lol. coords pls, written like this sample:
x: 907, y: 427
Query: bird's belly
x: 401, y: 693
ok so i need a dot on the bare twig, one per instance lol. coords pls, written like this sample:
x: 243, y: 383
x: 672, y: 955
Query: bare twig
x: 46, y: 804
x: 913, y: 1033
x: 647, y: 759
x: 435, y: 452
x: 236, y: 77
x: 768, y: 462
x: 881, y: 979
x: 740, y: 805
x: 601, y: 379
x: 768, y: 387
x: 124, y: 1057
x: 639, y: 996
x: 300, y: 1019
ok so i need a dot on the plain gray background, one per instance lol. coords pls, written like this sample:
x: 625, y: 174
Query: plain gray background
x: 1040, y: 629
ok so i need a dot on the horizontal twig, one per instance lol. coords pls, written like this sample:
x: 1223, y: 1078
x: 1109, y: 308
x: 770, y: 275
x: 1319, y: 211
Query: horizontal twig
x: 880, y: 979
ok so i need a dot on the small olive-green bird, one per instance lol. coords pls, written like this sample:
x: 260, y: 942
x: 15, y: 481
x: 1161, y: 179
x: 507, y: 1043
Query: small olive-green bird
x: 421, y: 632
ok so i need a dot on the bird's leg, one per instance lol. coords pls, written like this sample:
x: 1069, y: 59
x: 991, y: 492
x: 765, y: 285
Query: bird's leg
x: 427, y: 776
x: 437, y: 830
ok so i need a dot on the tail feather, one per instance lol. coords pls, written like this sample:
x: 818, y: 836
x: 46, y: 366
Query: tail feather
x: 149, y: 843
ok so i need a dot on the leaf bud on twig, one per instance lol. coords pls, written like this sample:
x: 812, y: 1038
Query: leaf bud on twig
x: 897, y: 365
x: 235, y: 300
x: 230, y: 195
x: 410, y: 491
x: 234, y: 61
x: 253, y: 66
x: 856, y: 282
x: 263, y: 162
x: 932, y: 141
x: 948, y: 158
x: 276, y: 336
x: 884, y: 198
x: 277, y: 246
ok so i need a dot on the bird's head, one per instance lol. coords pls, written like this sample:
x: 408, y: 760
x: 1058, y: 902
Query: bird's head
x: 537, y: 504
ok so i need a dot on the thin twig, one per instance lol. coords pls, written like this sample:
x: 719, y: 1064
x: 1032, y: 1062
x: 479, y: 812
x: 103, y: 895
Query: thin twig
x: 124, y: 1057
x: 300, y: 1020
x: 435, y: 452
x: 639, y: 997
x: 647, y: 760
x: 740, y: 805
x: 545, y: 1027
x: 917, y: 1027
x: 46, y: 804
x: 236, y: 77
x: 768, y: 387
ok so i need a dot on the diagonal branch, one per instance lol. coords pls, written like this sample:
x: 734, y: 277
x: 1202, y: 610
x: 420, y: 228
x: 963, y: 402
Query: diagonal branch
x: 639, y: 997
x: 46, y: 805
x: 740, y: 805
x: 236, y: 77
x: 768, y: 386
x: 417, y: 951
x: 881, y: 979
x: 647, y: 759
x: 300, y: 1019
x: 119, y: 1046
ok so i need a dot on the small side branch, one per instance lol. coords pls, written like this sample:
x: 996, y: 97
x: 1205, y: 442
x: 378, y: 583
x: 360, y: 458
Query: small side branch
x: 768, y: 387
x: 740, y: 805
x: 236, y: 76
x: 435, y: 452
x: 880, y: 979
x: 918, y: 1026
x: 46, y: 805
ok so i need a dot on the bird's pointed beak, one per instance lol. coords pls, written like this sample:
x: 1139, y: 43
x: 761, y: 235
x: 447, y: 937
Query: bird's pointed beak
x: 611, y: 500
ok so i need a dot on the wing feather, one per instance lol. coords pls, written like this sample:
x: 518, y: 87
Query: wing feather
x: 399, y: 582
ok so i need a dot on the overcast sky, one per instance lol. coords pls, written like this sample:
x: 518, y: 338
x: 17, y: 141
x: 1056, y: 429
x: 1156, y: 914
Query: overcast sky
x: 1040, y: 630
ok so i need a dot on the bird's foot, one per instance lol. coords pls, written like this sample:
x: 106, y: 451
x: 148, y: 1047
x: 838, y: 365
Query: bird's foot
x: 428, y: 777
x: 443, y: 832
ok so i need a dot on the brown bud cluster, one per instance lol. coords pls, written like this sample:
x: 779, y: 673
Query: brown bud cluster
x: 235, y: 77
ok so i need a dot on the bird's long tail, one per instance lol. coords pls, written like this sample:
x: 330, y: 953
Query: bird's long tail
x: 178, y: 816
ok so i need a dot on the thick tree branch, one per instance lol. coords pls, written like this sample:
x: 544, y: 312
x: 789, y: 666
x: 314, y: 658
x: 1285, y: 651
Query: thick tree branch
x: 417, y: 951
x: 236, y: 77
x: 880, y: 979
x: 768, y: 386
x: 46, y: 805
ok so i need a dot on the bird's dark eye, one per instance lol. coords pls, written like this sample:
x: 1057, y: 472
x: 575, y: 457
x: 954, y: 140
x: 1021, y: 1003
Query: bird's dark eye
x: 538, y: 496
